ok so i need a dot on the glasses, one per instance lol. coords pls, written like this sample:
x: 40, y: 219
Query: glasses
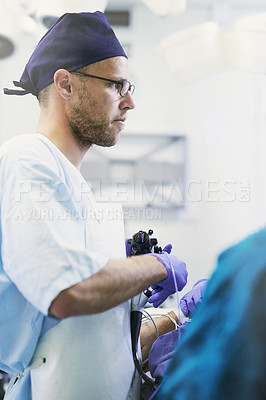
x: 122, y: 87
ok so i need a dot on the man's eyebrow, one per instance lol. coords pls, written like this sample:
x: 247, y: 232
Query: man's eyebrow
x: 119, y: 79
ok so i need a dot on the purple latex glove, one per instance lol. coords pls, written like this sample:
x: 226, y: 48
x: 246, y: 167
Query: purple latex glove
x: 128, y: 248
x: 190, y: 300
x: 165, y: 288
x: 162, y: 350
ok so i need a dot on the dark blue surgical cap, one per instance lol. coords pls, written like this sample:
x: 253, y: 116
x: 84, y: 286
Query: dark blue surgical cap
x: 74, y: 41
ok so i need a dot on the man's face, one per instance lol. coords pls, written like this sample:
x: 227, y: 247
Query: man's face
x: 98, y: 112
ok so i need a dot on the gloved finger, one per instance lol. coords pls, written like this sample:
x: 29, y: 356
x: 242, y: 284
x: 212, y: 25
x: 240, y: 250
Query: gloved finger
x: 168, y: 248
x: 156, y: 301
x: 156, y: 304
x: 155, y: 287
x: 191, y: 300
x: 187, y: 307
x: 155, y: 294
x: 128, y: 248
x: 184, y: 307
x: 185, y: 302
x: 161, y: 291
x: 159, y: 297
x: 201, y: 283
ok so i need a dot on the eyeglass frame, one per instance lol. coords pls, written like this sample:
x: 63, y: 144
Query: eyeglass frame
x: 131, y: 87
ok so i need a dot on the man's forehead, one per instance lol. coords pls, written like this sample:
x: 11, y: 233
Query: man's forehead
x: 115, y: 65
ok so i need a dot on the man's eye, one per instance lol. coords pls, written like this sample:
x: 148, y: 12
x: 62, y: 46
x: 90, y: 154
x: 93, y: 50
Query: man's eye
x: 115, y: 85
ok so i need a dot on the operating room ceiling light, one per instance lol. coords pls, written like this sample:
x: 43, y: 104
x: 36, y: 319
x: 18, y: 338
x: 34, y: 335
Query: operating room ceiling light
x: 245, y: 46
x: 166, y: 7
x: 7, y: 46
x: 31, y: 16
x: 194, y: 52
x: 49, y: 10
x: 8, y: 32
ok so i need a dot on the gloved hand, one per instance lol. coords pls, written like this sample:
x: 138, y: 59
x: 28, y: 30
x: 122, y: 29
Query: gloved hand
x: 162, y: 350
x: 190, y: 300
x: 128, y: 248
x: 165, y: 288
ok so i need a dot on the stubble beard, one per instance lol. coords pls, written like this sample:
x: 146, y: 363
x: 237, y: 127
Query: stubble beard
x: 87, y: 130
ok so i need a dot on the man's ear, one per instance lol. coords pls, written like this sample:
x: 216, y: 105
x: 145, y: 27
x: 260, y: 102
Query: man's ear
x: 62, y: 82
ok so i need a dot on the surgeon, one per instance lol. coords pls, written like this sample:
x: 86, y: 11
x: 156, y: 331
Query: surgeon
x: 64, y: 279
x: 222, y: 354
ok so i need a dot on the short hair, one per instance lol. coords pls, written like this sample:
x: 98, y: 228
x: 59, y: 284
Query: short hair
x: 43, y: 96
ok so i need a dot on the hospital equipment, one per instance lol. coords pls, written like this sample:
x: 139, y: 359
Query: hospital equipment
x: 142, y: 243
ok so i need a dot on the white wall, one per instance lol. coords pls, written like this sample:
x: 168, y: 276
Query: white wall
x: 18, y: 114
x: 223, y: 117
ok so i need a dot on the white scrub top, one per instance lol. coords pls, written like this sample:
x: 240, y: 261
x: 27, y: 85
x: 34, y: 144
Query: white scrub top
x: 44, y: 245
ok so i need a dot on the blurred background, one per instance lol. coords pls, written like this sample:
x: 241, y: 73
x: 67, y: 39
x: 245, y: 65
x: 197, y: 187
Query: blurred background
x: 191, y: 162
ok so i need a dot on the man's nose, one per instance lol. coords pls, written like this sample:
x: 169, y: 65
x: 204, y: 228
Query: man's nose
x: 128, y: 102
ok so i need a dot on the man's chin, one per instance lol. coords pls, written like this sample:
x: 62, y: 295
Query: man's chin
x: 113, y: 140
x: 109, y: 143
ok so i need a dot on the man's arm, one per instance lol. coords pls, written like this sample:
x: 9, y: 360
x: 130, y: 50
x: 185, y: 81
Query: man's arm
x: 148, y: 333
x: 118, y: 281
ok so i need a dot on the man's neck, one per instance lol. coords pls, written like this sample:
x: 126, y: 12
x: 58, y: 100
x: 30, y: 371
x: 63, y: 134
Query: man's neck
x: 59, y: 134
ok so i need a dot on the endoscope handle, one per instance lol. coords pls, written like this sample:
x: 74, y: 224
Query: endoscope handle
x: 138, y: 302
x: 137, y: 305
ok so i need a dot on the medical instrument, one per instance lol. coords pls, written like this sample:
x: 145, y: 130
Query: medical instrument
x: 141, y: 243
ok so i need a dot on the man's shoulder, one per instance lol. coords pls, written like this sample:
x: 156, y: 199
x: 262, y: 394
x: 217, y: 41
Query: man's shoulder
x: 26, y: 148
x: 19, y: 144
x: 28, y: 153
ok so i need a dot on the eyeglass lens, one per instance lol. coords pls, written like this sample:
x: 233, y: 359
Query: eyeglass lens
x: 127, y: 87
